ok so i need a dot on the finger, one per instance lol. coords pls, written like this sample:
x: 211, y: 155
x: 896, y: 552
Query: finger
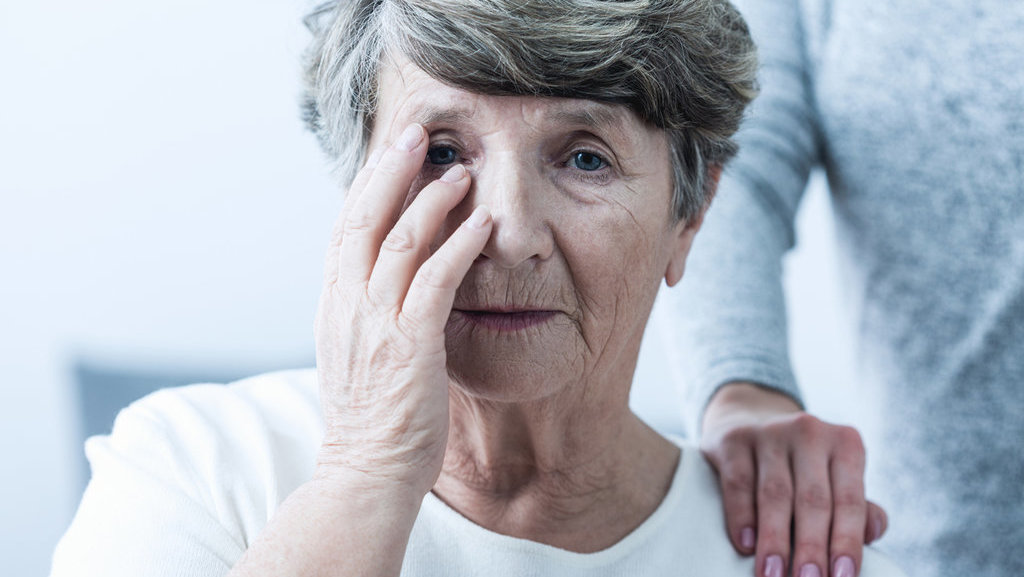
x: 774, y: 509
x: 432, y: 292
x: 337, y: 232
x: 737, y: 475
x: 407, y: 246
x: 878, y: 523
x: 374, y: 211
x: 849, y: 505
x: 813, y: 511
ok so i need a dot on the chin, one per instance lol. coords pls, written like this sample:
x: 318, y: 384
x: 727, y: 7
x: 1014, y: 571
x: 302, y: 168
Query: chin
x: 520, y: 365
x: 504, y: 382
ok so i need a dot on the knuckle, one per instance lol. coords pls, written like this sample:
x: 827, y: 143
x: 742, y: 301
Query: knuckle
x: 849, y: 451
x: 846, y: 545
x: 849, y: 439
x: 409, y: 327
x: 370, y: 297
x: 738, y: 436
x: 338, y: 232
x: 775, y: 490
x: 356, y: 222
x: 774, y: 537
x: 401, y: 239
x: 807, y: 424
x: 815, y: 497
x: 738, y: 481
x: 434, y: 275
x: 849, y: 498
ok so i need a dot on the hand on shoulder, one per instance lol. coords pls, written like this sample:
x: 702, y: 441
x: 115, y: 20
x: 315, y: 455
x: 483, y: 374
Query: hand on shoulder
x: 788, y: 477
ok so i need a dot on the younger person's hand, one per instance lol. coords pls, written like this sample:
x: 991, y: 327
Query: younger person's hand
x: 788, y: 477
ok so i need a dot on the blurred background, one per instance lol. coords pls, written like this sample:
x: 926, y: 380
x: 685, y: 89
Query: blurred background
x: 163, y: 221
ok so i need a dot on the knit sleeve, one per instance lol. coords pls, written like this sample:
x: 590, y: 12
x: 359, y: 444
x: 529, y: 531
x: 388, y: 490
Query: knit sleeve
x: 728, y: 320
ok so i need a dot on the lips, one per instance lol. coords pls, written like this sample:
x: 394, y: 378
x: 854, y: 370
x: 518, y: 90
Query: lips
x: 507, y: 320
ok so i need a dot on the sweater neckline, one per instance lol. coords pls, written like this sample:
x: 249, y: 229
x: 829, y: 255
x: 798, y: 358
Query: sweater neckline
x: 650, y: 528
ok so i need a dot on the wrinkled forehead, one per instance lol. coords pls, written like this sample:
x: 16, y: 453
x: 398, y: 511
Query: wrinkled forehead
x: 408, y: 94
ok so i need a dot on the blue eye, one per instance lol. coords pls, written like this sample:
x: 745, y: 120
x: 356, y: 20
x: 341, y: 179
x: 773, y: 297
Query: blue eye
x: 588, y: 161
x: 441, y: 155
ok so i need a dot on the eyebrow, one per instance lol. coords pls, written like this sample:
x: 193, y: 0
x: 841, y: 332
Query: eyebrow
x: 591, y: 116
x: 443, y: 116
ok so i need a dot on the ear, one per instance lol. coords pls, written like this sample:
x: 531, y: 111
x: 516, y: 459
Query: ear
x: 686, y: 231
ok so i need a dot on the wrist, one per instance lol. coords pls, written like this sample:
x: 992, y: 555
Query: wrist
x: 347, y: 479
x: 378, y: 466
x: 336, y: 523
x: 742, y: 402
x: 375, y: 494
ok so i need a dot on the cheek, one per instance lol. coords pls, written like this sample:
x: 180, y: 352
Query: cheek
x: 616, y: 261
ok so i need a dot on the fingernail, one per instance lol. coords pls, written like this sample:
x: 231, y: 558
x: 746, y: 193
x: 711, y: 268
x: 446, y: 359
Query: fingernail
x: 374, y: 157
x: 843, y: 567
x: 454, y: 174
x: 410, y: 138
x: 810, y: 570
x: 773, y: 566
x: 876, y: 530
x: 479, y: 217
x: 747, y: 539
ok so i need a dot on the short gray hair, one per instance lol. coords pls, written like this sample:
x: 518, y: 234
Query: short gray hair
x: 685, y: 66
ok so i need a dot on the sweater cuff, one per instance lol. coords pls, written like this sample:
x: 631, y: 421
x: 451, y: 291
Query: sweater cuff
x: 757, y: 370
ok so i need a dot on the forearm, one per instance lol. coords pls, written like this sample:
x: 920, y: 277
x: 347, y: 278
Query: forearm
x: 730, y: 320
x: 335, y: 528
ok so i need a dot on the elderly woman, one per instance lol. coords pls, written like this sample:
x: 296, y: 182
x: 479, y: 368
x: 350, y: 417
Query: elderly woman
x: 532, y: 171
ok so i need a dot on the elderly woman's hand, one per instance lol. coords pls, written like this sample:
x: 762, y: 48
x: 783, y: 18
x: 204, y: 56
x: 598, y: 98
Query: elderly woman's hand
x: 788, y: 477
x: 380, y: 327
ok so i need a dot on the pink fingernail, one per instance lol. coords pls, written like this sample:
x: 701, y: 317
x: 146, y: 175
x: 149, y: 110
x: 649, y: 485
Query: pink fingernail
x: 479, y: 217
x: 410, y: 137
x: 876, y: 530
x: 810, y: 570
x: 843, y: 567
x: 773, y: 566
x: 454, y: 174
x: 747, y: 538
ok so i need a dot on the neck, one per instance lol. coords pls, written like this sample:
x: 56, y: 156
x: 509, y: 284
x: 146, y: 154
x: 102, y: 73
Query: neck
x: 566, y: 470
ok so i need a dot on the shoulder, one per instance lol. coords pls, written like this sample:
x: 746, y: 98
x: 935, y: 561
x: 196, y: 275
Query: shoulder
x: 282, y: 402
x: 192, y: 472
x: 220, y: 422
x: 269, y: 393
x: 233, y: 450
x: 256, y: 428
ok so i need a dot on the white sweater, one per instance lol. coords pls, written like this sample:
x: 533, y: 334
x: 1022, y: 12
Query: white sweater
x: 190, y: 476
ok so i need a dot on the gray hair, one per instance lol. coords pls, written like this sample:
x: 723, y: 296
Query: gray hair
x: 685, y: 66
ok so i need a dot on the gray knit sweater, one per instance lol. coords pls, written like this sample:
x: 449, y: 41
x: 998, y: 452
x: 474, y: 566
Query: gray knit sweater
x: 915, y: 109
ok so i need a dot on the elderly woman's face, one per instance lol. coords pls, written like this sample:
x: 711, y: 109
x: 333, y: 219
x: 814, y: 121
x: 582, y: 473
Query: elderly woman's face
x: 580, y: 194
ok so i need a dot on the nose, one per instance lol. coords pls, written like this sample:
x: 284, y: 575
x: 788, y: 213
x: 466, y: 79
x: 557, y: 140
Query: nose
x: 520, y: 208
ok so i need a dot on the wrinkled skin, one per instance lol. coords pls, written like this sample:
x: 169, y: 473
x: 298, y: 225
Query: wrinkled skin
x: 584, y: 239
x: 408, y: 349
